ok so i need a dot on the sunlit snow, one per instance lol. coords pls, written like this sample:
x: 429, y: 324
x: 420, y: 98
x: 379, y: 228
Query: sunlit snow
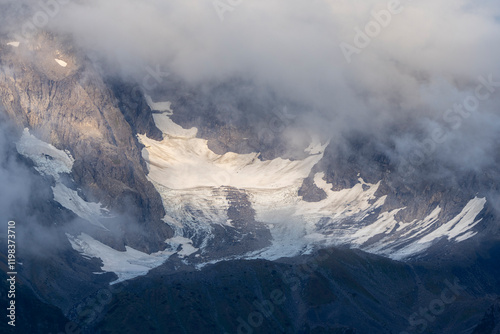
x: 61, y: 62
x: 126, y: 265
x: 50, y: 161
x: 193, y: 182
x: 189, y: 176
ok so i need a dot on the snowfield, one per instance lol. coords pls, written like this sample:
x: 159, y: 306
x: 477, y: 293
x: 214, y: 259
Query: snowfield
x: 190, y: 177
x: 126, y: 265
x: 193, y: 182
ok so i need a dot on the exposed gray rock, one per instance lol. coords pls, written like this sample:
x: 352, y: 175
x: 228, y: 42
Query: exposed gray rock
x: 72, y: 108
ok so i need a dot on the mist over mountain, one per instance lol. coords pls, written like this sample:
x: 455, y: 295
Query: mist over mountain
x: 165, y: 156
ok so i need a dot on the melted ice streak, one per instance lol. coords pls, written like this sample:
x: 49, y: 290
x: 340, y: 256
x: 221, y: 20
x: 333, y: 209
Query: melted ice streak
x: 190, y: 178
x: 53, y: 162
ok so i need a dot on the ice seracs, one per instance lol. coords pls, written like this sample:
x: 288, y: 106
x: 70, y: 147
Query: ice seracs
x: 70, y: 199
x: 299, y: 225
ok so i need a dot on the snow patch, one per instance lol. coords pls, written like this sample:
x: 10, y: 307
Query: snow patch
x: 463, y: 222
x: 385, y: 224
x: 159, y: 106
x: 48, y: 160
x: 169, y: 128
x: 413, y: 238
x: 126, y: 265
x: 51, y: 161
x: 14, y: 44
x: 61, y: 62
x: 70, y: 199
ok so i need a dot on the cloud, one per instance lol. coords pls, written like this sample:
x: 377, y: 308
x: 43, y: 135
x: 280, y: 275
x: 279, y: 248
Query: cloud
x: 15, y: 178
x: 424, y: 59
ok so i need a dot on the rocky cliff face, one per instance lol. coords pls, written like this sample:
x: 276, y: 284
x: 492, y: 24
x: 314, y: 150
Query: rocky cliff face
x: 414, y: 202
x: 136, y: 185
x: 47, y: 87
x: 348, y: 192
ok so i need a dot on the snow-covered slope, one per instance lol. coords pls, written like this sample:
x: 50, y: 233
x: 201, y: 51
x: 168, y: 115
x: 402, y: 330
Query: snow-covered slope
x: 125, y: 265
x: 192, y: 181
x: 53, y: 162
x: 130, y: 263
x: 400, y: 240
x: 48, y: 160
x: 199, y: 188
